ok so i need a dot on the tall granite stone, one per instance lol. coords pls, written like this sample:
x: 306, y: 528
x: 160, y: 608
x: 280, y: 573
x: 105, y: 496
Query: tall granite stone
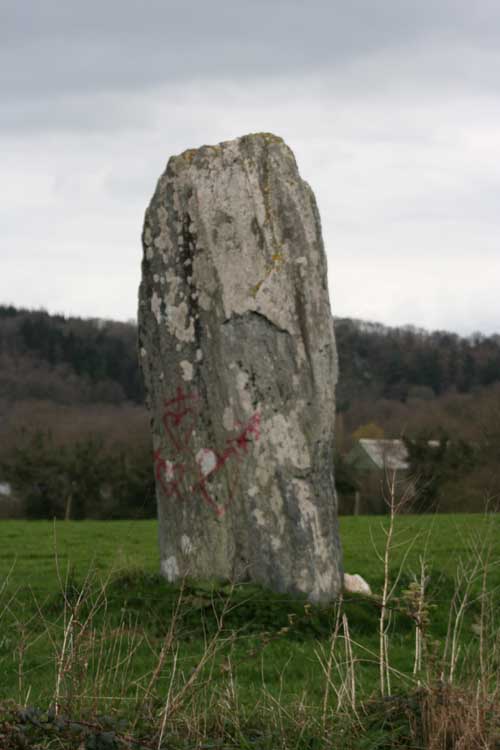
x: 238, y: 354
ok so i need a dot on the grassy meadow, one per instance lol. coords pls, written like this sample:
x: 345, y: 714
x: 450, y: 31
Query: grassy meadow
x: 96, y: 648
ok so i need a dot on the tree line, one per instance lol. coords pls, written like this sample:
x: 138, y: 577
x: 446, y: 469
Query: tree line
x: 100, y: 358
x: 74, y: 436
x: 67, y: 359
x: 398, y: 364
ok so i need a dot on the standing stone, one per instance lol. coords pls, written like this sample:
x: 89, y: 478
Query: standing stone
x: 238, y: 355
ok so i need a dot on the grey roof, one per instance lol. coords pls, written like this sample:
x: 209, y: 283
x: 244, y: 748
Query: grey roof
x: 388, y: 454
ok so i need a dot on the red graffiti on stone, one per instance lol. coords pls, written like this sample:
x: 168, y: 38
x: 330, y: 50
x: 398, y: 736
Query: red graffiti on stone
x: 179, y: 419
x: 190, y: 474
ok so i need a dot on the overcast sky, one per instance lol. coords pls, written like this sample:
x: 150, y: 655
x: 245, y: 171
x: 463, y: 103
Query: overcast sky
x: 392, y: 108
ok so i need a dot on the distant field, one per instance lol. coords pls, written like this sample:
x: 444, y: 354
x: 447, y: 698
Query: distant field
x: 268, y: 642
x: 31, y: 549
x: 28, y: 548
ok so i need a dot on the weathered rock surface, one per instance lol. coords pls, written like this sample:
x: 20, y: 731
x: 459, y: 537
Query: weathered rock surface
x: 238, y: 354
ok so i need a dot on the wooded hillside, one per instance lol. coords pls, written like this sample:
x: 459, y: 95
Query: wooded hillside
x: 71, y: 397
x: 72, y: 360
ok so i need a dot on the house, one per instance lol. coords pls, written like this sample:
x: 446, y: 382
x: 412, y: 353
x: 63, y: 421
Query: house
x: 373, y: 460
x: 385, y: 455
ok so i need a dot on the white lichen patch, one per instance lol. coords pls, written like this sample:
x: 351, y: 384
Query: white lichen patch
x: 253, y: 491
x: 179, y: 323
x: 150, y: 253
x: 156, y: 307
x: 243, y: 392
x: 148, y: 237
x: 186, y: 545
x: 206, y: 460
x: 187, y: 369
x: 199, y: 355
x: 263, y: 470
x: 286, y: 441
x: 228, y: 419
x: 276, y: 505
x: 204, y: 300
x: 170, y: 569
x: 162, y: 215
x: 169, y: 471
x: 309, y: 522
x: 304, y: 580
x: 301, y: 353
x: 174, y: 284
x: 161, y: 241
x: 307, y: 509
x: 276, y: 543
x: 259, y: 517
x: 143, y: 352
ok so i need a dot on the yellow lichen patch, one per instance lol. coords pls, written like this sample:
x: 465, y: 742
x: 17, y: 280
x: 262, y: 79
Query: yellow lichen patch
x: 276, y: 261
x: 269, y: 137
x: 189, y: 154
x: 256, y: 287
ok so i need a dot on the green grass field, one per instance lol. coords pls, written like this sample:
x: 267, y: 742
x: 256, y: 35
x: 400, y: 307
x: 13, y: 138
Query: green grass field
x: 84, y: 616
x: 29, y: 548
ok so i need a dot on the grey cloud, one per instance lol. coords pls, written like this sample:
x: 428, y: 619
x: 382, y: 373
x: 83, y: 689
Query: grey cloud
x: 391, y: 107
x: 123, y: 44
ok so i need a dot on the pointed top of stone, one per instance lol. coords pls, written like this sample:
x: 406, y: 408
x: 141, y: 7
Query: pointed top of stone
x: 250, y: 146
x: 262, y: 138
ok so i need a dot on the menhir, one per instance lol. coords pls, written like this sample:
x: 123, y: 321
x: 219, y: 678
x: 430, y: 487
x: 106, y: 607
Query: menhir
x: 238, y: 354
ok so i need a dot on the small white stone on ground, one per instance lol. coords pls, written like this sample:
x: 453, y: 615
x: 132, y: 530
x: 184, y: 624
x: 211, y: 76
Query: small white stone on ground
x: 355, y: 584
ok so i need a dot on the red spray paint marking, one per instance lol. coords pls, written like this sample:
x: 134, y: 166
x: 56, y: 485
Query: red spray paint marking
x: 179, y: 421
x: 241, y: 442
x: 169, y: 476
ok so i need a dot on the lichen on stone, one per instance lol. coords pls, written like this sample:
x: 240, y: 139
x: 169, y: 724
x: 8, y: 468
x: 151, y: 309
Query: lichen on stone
x: 240, y: 370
